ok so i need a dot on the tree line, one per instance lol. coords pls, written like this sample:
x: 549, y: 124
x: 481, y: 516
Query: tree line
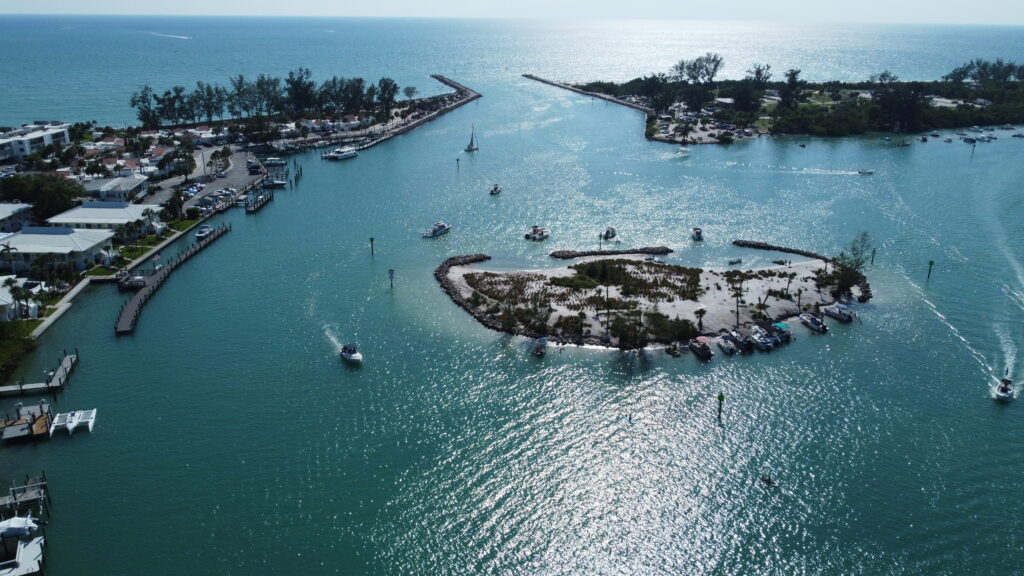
x: 294, y: 96
x: 892, y: 105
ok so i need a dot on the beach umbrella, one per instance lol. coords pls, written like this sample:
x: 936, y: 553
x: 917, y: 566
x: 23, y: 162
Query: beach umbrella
x: 781, y: 325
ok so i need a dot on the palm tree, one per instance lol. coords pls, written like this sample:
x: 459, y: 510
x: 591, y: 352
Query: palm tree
x: 7, y: 253
x: 148, y: 213
x: 699, y: 313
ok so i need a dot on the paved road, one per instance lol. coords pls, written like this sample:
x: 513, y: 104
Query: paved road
x: 237, y: 176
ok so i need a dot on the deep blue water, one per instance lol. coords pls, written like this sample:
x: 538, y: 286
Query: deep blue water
x: 230, y: 440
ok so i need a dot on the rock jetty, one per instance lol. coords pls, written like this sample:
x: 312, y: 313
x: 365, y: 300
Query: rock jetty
x: 569, y: 254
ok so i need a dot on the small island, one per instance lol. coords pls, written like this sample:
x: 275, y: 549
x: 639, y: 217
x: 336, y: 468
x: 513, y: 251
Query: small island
x: 632, y: 300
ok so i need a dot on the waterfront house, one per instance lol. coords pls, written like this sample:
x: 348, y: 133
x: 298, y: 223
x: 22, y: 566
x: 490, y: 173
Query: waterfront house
x: 14, y: 217
x: 74, y: 246
x: 18, y: 143
x: 127, y: 221
x: 122, y: 189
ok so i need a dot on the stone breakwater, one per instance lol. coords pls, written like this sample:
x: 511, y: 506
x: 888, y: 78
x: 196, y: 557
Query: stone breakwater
x: 569, y: 254
x: 644, y: 109
x: 862, y: 283
x: 448, y: 285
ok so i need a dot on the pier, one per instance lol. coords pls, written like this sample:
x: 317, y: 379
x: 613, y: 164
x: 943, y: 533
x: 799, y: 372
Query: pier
x: 262, y: 199
x: 645, y: 109
x: 31, y: 496
x: 131, y: 308
x: 54, y: 382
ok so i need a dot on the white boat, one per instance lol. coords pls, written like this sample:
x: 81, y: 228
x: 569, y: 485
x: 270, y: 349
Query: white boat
x: 71, y: 420
x: 439, y: 229
x: 727, y: 344
x: 865, y: 172
x: 495, y: 190
x: 609, y: 233
x: 813, y: 322
x: 839, y: 312
x: 761, y: 338
x: 947, y: 140
x: 274, y: 183
x: 275, y: 162
x: 350, y: 353
x: 1004, y: 391
x: 341, y: 153
x: 472, y: 147
x: 203, y: 231
x: 697, y: 234
x: 18, y: 526
x: 935, y: 135
x: 537, y: 234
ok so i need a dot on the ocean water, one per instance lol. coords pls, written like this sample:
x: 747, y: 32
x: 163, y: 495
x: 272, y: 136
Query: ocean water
x: 230, y: 439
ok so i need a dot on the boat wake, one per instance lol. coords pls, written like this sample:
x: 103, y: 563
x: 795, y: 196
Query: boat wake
x: 333, y: 339
x: 168, y: 35
x: 1008, y: 346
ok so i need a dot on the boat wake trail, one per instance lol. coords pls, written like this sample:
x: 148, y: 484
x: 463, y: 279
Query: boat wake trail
x: 333, y: 339
x: 977, y: 355
x: 1015, y: 296
x: 169, y: 35
x: 1009, y: 348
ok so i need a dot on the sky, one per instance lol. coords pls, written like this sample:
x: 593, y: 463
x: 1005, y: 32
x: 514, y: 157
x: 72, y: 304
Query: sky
x: 998, y: 12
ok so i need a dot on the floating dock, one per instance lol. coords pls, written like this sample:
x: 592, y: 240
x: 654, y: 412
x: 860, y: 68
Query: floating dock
x: 131, y: 309
x: 71, y: 420
x: 54, y: 383
x: 31, y: 423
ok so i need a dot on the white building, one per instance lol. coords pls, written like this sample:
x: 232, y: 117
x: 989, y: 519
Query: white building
x: 18, y: 143
x: 123, y: 189
x: 14, y: 216
x: 109, y: 216
x: 68, y: 245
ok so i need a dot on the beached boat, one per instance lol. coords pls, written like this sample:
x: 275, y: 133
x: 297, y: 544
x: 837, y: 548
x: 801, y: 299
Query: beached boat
x: 342, y: 153
x: 728, y: 344
x: 865, y: 172
x: 203, y: 231
x: 1004, y: 391
x: 472, y: 147
x: 840, y: 312
x: 673, y: 350
x: 350, y: 353
x: 439, y: 229
x: 537, y: 234
x: 609, y: 233
x: 495, y: 190
x: 699, y: 347
x: 540, y: 347
x: 780, y: 331
x: 744, y: 343
x: 761, y: 339
x: 813, y: 322
x: 697, y: 234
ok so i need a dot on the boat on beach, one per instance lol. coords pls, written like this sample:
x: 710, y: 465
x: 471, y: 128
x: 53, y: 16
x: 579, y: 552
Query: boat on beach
x: 537, y: 234
x: 350, y: 353
x: 761, y: 339
x: 813, y: 322
x: 540, y: 347
x: 495, y: 190
x: 727, y: 343
x: 472, y: 146
x: 342, y: 153
x: 439, y: 229
x: 840, y: 312
x: 699, y: 347
x: 697, y: 234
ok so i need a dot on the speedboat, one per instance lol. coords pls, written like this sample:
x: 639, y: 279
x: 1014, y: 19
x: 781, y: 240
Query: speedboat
x: 735, y: 261
x: 728, y: 344
x: 203, y: 231
x: 540, y: 348
x: 18, y: 526
x: 673, y: 350
x: 780, y: 331
x: 537, y: 234
x: 935, y: 135
x: 970, y: 140
x: 472, y: 147
x: 275, y: 162
x: 839, y: 312
x: 761, y: 339
x: 865, y: 172
x: 1004, y: 391
x: 699, y: 347
x: 742, y: 342
x: 947, y: 140
x: 439, y: 229
x: 697, y: 234
x: 350, y: 353
x: 813, y: 322
x: 341, y: 153
x: 609, y: 233
x: 495, y: 190
x: 274, y: 183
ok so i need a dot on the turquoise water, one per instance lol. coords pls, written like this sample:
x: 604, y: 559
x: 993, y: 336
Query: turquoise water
x: 230, y: 440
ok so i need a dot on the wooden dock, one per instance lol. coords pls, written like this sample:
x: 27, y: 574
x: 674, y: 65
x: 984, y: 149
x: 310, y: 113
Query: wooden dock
x: 131, y: 309
x: 32, y: 495
x: 54, y: 383
x: 31, y: 423
x: 264, y: 198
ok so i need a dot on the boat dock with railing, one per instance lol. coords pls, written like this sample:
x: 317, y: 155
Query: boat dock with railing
x: 55, y: 381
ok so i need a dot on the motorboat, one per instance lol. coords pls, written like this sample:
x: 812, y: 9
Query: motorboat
x: 537, y: 234
x: 903, y: 143
x: 1017, y: 135
x: 472, y: 147
x: 744, y: 343
x: 275, y: 162
x: 342, y: 153
x: 1004, y: 391
x: 609, y: 233
x: 761, y: 339
x: 203, y: 231
x: 673, y: 350
x: 780, y: 331
x: 923, y: 138
x: 697, y: 234
x: 1007, y: 127
x: 654, y: 260
x: 735, y: 261
x: 18, y: 526
x: 970, y: 140
x: 728, y: 344
x: 699, y: 347
x: 813, y: 322
x: 840, y: 312
x: 866, y: 172
x: 935, y: 135
x: 947, y: 140
x: 350, y: 353
x: 540, y: 347
x: 495, y: 190
x: 439, y: 229
x: 274, y: 183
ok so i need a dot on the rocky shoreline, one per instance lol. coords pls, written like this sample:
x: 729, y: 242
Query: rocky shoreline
x: 862, y: 284
x: 569, y: 254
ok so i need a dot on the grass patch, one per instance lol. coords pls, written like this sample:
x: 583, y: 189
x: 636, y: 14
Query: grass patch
x: 101, y: 271
x: 182, y: 225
